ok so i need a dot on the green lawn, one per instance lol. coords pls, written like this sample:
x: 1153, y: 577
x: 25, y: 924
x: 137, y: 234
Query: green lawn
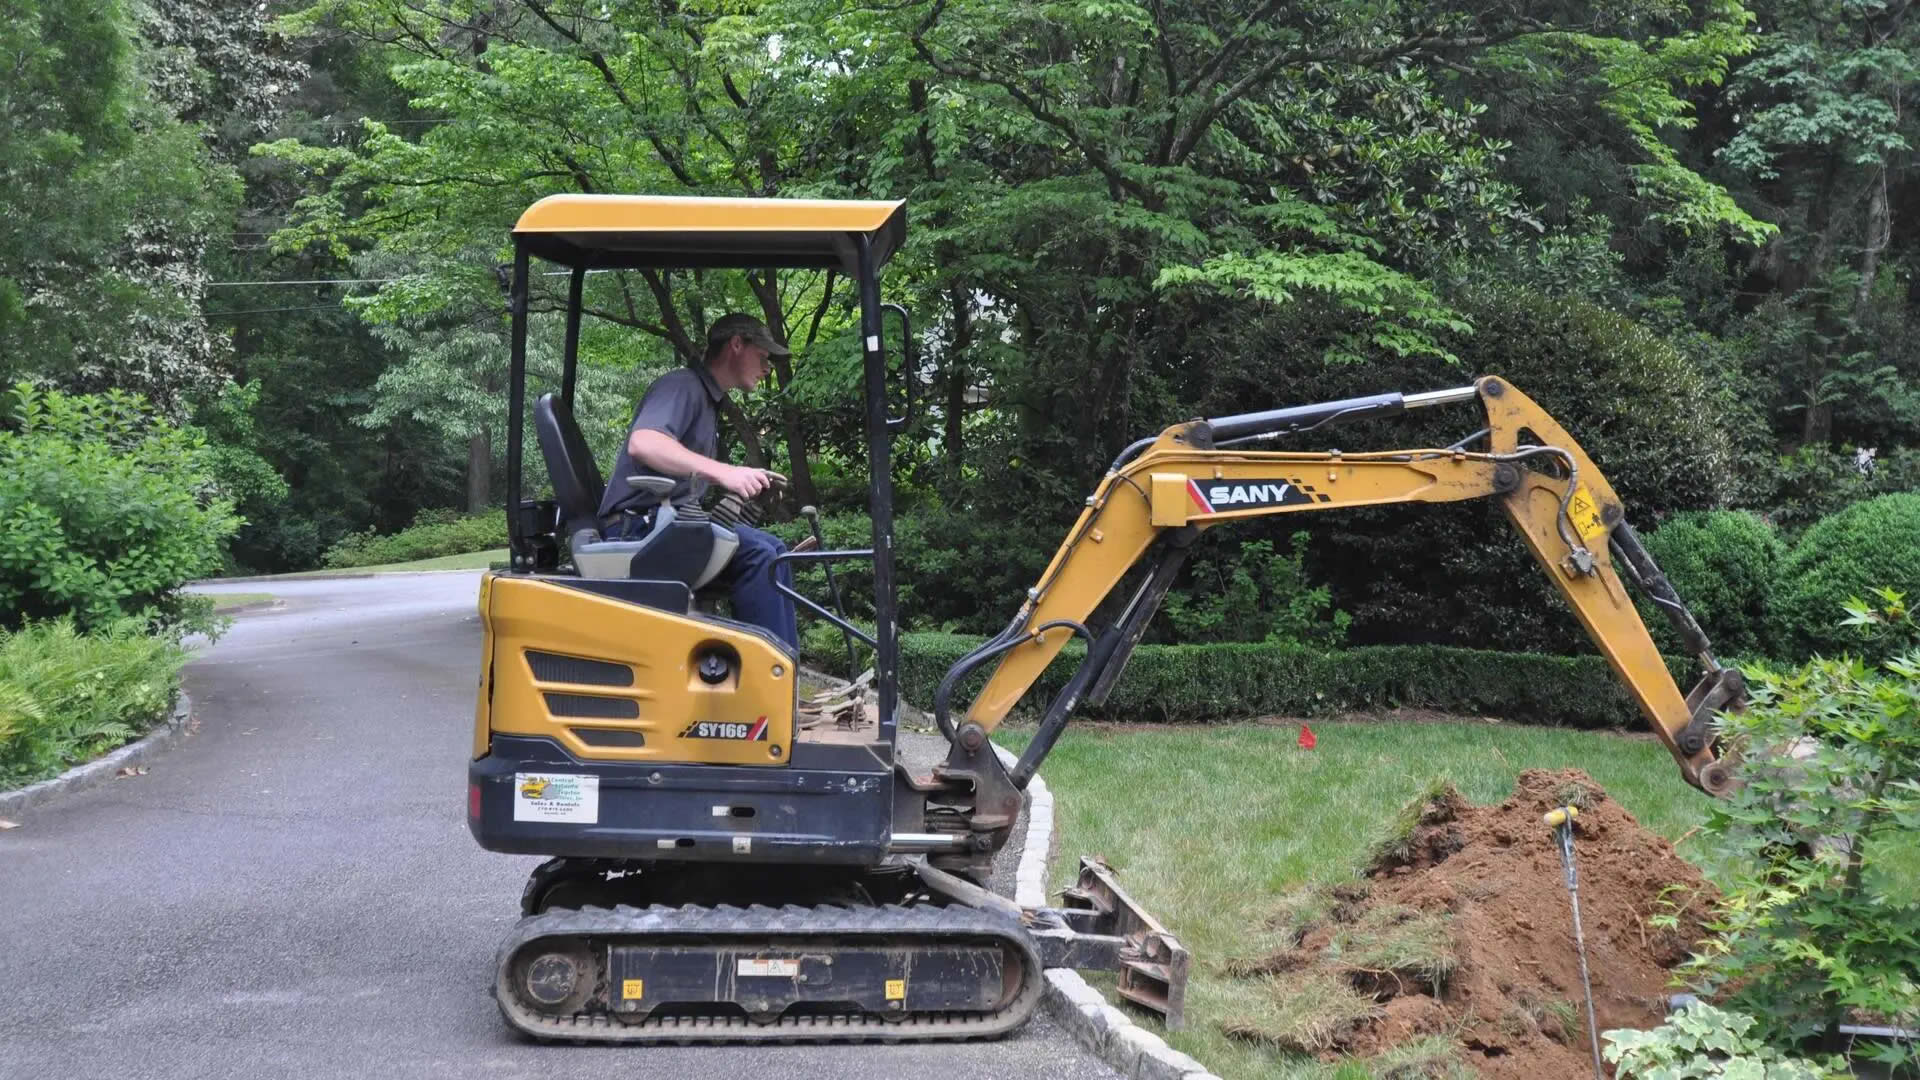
x: 1208, y: 826
x: 473, y: 560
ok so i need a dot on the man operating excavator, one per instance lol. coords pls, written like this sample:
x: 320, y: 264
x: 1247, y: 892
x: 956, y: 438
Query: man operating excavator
x: 675, y: 434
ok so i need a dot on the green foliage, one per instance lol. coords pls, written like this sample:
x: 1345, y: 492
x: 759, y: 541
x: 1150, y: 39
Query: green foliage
x: 1725, y: 565
x: 1870, y: 544
x: 1456, y: 574
x: 956, y: 571
x: 1234, y: 681
x: 67, y: 697
x: 105, y: 511
x: 1255, y: 594
x: 1806, y: 936
x: 1706, y: 1043
x: 1814, y: 482
x: 433, y: 533
x: 111, y: 201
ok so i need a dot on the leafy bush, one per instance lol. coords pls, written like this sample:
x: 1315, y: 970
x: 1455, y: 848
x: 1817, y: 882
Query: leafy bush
x: 106, y: 509
x: 1705, y: 1043
x: 955, y: 571
x: 1831, y: 787
x: 1234, y: 681
x: 1254, y: 594
x: 1723, y: 564
x: 1456, y: 574
x: 1813, y: 482
x: 434, y: 533
x: 1874, y: 543
x: 66, y: 697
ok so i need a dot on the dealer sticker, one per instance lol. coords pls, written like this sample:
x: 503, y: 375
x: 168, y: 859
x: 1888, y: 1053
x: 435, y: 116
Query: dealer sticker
x: 556, y: 797
x: 757, y: 967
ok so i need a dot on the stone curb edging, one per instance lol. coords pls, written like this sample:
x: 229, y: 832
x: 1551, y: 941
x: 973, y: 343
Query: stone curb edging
x: 105, y: 768
x: 1095, y: 1024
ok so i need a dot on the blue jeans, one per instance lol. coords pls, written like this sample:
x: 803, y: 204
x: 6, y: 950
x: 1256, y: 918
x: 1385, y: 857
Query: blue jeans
x: 755, y: 600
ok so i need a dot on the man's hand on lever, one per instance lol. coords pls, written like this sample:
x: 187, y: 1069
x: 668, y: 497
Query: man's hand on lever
x: 745, y: 481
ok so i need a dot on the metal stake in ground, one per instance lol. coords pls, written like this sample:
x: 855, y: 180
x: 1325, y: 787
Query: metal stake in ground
x: 1561, y: 821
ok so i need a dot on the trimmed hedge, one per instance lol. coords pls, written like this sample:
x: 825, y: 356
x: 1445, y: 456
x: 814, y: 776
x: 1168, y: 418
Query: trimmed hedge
x: 1869, y: 545
x: 1236, y: 681
x: 1724, y: 564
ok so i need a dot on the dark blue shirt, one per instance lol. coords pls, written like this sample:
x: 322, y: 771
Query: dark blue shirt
x: 684, y: 404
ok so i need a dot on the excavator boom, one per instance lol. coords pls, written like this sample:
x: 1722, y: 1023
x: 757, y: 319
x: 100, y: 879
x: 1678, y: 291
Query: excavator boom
x: 1163, y: 492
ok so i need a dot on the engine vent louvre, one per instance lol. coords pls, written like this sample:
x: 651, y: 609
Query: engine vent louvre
x: 555, y: 668
x: 588, y: 705
x: 608, y: 737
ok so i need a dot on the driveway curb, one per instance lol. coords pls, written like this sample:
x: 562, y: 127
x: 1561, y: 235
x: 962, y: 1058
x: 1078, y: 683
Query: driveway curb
x: 100, y: 770
x: 1099, y: 1027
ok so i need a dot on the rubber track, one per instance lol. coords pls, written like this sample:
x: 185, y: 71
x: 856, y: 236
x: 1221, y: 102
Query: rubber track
x: 761, y: 924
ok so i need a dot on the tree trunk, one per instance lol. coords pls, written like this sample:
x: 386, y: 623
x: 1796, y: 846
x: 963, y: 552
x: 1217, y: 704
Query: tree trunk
x: 799, y: 470
x: 479, y: 472
x: 739, y: 425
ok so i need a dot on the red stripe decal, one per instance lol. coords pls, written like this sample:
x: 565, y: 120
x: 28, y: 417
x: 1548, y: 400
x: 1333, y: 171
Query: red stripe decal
x: 1193, y: 489
x: 759, y: 729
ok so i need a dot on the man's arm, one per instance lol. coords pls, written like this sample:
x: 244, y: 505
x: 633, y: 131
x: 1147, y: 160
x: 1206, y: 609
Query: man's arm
x: 662, y: 453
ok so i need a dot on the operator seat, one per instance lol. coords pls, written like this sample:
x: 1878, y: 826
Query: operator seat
x: 682, y: 544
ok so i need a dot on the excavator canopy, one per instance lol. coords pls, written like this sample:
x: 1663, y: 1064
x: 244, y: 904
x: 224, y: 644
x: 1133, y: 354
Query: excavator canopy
x: 673, y: 231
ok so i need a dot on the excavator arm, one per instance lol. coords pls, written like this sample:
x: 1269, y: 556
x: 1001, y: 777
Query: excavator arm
x: 1163, y: 492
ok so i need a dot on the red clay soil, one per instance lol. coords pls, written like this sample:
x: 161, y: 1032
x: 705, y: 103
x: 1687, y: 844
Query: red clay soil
x: 1495, y: 872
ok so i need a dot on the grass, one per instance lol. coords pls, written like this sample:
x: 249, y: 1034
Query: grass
x: 1210, y: 827
x: 225, y: 602
x: 475, y: 560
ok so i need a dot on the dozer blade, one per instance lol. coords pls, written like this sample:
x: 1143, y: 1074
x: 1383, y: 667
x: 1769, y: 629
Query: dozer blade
x: 1106, y: 928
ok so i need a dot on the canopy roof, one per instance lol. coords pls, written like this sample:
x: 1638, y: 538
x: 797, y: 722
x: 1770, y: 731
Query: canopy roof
x: 665, y: 231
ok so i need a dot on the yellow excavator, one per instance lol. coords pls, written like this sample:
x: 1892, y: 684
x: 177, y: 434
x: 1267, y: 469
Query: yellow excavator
x: 722, y: 868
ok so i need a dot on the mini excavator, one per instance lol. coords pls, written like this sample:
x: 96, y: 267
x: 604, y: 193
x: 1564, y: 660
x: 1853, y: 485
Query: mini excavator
x: 722, y: 870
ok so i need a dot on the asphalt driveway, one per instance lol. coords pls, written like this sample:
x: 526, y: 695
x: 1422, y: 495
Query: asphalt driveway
x: 292, y: 892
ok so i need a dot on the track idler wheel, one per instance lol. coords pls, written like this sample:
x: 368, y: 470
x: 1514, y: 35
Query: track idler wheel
x: 555, y: 979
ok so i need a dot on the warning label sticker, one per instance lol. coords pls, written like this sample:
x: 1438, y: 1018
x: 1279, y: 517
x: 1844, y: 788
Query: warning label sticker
x: 1585, y: 514
x: 556, y: 797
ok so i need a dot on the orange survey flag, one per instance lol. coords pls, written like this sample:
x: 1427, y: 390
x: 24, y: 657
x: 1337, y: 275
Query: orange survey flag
x: 1306, y: 737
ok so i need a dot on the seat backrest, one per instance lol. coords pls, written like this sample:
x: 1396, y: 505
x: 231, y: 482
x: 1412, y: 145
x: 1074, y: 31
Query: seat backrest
x: 577, y: 486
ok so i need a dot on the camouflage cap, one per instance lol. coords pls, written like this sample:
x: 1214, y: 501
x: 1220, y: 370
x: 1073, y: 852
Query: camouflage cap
x: 747, y: 328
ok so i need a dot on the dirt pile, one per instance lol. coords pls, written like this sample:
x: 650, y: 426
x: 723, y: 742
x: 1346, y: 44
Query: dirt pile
x: 1461, y: 930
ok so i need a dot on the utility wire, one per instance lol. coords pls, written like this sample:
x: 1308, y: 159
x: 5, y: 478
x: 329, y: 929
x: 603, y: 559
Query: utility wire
x: 376, y: 280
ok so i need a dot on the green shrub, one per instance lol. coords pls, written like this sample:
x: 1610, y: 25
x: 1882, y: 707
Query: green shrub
x: 1828, y: 808
x: 67, y: 697
x: 1456, y: 574
x: 1705, y: 1043
x: 1869, y: 544
x: 1723, y: 563
x: 1254, y: 594
x: 1814, y: 481
x: 106, y: 509
x: 1235, y: 681
x: 434, y: 533
x: 955, y: 571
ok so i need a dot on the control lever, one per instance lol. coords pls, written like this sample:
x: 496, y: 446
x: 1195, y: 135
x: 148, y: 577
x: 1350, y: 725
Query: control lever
x: 812, y: 514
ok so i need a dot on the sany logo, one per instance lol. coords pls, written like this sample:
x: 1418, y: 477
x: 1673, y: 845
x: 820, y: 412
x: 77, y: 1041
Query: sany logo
x: 721, y: 729
x: 1253, y: 493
